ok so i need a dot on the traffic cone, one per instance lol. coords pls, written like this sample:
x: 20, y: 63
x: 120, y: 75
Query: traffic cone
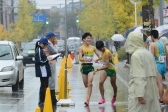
x: 116, y: 58
x: 60, y: 76
x: 47, y: 102
x: 72, y: 56
x: 61, y: 88
x: 69, y: 64
x: 38, y: 109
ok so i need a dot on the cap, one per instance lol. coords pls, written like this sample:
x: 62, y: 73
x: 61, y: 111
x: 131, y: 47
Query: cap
x: 43, y: 40
x: 50, y: 34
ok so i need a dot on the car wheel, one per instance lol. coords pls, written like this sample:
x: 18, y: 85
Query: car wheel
x: 15, y: 87
x: 21, y: 83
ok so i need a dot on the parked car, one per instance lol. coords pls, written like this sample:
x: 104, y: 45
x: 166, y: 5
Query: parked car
x: 11, y: 66
x: 35, y: 40
x: 28, y: 53
x: 61, y: 48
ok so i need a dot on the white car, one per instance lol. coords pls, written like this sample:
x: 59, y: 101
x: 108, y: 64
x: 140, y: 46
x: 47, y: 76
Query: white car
x: 11, y: 66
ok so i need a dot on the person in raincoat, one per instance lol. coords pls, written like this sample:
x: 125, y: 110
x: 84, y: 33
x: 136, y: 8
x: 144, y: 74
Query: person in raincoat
x: 143, y: 93
x: 51, y: 50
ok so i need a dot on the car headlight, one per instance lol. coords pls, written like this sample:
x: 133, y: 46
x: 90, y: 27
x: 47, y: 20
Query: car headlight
x: 8, y: 68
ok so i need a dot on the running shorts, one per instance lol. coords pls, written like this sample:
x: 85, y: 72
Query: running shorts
x: 110, y: 72
x: 86, y: 69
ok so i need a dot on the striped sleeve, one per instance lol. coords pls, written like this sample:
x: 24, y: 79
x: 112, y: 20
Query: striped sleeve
x: 51, y: 49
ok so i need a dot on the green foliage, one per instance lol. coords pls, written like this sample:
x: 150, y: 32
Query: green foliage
x: 103, y: 18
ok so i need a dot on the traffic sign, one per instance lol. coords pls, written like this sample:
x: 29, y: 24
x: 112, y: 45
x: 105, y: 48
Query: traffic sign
x: 39, y: 17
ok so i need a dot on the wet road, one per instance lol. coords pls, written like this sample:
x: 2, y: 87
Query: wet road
x: 27, y: 100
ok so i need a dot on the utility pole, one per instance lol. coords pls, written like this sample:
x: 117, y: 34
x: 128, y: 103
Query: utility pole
x: 66, y: 52
x: 13, y: 11
x: 161, y: 12
x: 1, y: 11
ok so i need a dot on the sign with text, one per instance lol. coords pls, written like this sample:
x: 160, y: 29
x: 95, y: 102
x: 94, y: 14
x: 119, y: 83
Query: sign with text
x: 165, y: 16
x: 39, y: 17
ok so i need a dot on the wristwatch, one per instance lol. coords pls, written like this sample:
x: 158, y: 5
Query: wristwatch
x: 97, y: 69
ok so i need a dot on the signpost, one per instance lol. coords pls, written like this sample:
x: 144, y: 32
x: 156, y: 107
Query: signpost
x: 39, y: 18
x: 165, y: 16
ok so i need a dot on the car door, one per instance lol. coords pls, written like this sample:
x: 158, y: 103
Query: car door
x: 19, y: 63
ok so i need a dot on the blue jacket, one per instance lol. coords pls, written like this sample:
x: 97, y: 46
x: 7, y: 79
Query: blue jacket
x: 41, y: 63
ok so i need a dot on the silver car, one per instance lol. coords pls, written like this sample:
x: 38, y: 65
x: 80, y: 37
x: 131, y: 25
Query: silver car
x: 11, y: 66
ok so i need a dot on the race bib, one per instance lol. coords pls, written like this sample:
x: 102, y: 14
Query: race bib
x: 162, y: 58
x: 85, y: 57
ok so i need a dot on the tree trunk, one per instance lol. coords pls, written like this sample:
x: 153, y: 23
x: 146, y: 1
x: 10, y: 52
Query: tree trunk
x: 151, y: 14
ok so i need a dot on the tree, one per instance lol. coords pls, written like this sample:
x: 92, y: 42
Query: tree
x: 103, y: 17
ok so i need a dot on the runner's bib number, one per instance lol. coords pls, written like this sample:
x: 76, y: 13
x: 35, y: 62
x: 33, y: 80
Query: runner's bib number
x: 85, y: 57
x: 162, y: 58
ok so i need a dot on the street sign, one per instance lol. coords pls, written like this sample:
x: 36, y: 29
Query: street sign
x: 165, y: 16
x: 39, y: 17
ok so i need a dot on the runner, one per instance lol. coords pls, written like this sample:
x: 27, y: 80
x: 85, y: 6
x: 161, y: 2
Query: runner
x: 107, y: 70
x: 86, y: 53
x: 159, y: 51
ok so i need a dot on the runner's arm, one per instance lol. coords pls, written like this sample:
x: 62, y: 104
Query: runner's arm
x: 98, y: 55
x: 80, y: 55
x: 166, y: 56
x: 153, y: 49
x: 107, y: 62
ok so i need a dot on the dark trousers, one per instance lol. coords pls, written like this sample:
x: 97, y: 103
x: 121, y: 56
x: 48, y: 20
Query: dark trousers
x: 43, y: 87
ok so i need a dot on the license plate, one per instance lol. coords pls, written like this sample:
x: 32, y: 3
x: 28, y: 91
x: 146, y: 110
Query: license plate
x: 33, y: 59
x: 31, y: 51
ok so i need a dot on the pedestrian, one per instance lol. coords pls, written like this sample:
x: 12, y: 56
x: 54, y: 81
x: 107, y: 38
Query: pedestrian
x: 148, y: 40
x: 86, y: 53
x: 107, y: 70
x: 159, y: 51
x: 143, y: 94
x: 51, y: 50
x: 164, y: 40
x: 42, y: 68
x: 76, y: 52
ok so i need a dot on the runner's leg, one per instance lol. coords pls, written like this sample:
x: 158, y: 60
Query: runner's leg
x: 85, y: 80
x: 90, y: 85
x: 103, y: 77
x: 160, y: 86
x: 113, y: 84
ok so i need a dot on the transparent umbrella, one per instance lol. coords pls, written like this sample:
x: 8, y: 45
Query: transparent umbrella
x: 117, y: 37
x: 163, y: 30
x: 138, y: 29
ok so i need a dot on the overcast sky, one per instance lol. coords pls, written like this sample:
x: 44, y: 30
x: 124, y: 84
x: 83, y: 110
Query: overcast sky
x: 46, y: 4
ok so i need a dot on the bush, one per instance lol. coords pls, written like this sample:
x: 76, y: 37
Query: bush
x: 122, y: 53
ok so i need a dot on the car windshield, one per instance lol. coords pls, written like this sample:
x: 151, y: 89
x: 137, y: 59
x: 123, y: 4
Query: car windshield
x: 72, y: 42
x: 60, y: 43
x: 29, y: 46
x: 5, y: 52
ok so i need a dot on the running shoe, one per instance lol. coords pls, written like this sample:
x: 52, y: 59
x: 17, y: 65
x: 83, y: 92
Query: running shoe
x: 113, y: 100
x: 102, y: 101
x: 86, y: 102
